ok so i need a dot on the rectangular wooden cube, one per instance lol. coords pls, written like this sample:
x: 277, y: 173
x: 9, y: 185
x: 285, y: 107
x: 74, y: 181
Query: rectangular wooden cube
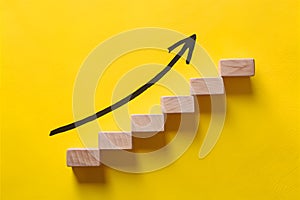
x: 83, y: 157
x: 237, y: 67
x: 115, y: 140
x: 207, y: 86
x: 177, y: 104
x: 147, y: 123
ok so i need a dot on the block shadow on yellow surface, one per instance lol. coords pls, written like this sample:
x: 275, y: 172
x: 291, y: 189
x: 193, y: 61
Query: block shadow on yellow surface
x: 90, y: 174
x: 142, y: 143
x: 237, y: 85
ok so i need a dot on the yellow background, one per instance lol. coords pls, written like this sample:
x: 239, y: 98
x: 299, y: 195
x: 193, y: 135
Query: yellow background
x: 43, y: 44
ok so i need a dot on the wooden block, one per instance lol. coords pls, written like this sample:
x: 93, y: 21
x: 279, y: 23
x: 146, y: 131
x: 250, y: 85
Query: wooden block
x: 115, y: 140
x: 82, y: 157
x: 207, y: 86
x: 177, y: 104
x: 237, y: 67
x: 147, y: 123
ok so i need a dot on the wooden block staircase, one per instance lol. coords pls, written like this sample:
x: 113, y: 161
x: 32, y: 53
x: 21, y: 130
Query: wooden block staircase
x: 147, y: 123
x: 177, y: 104
x: 83, y: 157
x: 115, y: 140
x: 207, y: 86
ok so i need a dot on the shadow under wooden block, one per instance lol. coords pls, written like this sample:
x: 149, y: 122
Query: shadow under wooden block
x: 90, y: 174
x: 215, y: 103
x: 204, y: 103
x: 183, y: 122
x: 118, y: 158
x: 237, y: 85
x: 148, y: 144
x: 172, y: 122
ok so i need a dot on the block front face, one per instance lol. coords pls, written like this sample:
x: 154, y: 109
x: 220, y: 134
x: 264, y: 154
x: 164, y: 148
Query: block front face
x: 207, y: 86
x: 115, y: 140
x: 177, y: 104
x: 147, y: 123
x: 237, y: 67
x: 81, y: 157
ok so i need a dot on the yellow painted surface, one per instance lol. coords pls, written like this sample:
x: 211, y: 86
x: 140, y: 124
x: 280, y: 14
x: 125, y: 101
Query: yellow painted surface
x: 43, y: 44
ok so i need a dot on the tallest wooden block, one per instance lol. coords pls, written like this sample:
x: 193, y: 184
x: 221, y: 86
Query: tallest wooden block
x: 237, y: 67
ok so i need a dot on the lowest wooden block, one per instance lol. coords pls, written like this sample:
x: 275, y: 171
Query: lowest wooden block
x: 115, y: 140
x: 82, y: 157
x: 207, y: 86
x: 147, y: 123
x: 177, y: 104
x: 237, y: 67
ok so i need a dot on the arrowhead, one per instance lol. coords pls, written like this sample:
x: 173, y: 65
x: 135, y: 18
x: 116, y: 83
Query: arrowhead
x: 188, y: 43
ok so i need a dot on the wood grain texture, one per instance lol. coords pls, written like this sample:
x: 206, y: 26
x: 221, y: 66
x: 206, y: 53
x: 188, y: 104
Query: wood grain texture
x: 82, y: 157
x: 147, y: 123
x: 177, y: 104
x: 237, y: 67
x: 115, y: 140
x: 207, y: 86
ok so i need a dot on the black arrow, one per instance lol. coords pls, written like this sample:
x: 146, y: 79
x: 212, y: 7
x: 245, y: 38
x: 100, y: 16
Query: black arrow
x: 188, y: 43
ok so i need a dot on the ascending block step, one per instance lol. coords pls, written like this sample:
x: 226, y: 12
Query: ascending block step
x: 207, y: 86
x: 115, y: 140
x: 82, y: 157
x: 237, y: 67
x: 147, y: 123
x: 177, y: 104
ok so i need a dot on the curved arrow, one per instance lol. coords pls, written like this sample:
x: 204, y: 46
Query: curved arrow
x: 188, y: 44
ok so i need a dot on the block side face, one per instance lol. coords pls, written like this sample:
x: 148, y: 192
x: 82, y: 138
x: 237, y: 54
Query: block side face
x: 237, y: 67
x: 115, y: 140
x: 147, y: 123
x: 177, y: 104
x: 83, y: 158
x: 207, y: 86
